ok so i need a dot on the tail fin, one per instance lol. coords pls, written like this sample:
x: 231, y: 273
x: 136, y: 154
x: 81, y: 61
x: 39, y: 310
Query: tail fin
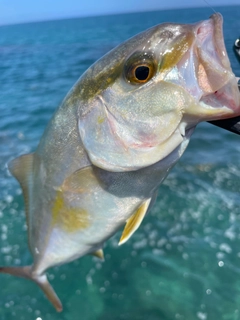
x: 42, y: 281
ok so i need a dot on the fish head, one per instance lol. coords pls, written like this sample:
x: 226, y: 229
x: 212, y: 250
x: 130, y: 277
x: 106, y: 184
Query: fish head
x: 142, y: 100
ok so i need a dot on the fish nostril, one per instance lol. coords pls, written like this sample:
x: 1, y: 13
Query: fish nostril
x: 199, y: 31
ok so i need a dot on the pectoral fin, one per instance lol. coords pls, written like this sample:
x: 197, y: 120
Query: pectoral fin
x: 81, y: 181
x: 134, y: 221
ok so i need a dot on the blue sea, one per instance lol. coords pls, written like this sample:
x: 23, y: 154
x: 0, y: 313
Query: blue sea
x: 184, y: 261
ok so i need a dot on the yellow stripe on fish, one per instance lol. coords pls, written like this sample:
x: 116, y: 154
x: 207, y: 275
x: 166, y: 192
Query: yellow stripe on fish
x: 68, y: 218
x: 173, y: 55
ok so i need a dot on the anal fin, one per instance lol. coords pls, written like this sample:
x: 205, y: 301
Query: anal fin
x: 134, y: 221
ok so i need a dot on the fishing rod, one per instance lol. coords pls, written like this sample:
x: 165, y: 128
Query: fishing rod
x: 236, y: 49
x: 231, y: 124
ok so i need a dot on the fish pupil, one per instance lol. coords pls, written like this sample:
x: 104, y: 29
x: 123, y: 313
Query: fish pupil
x: 142, y: 73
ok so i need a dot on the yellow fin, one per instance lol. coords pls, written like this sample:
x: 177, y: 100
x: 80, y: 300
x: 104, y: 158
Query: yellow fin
x: 99, y: 254
x: 134, y: 221
x: 21, y: 169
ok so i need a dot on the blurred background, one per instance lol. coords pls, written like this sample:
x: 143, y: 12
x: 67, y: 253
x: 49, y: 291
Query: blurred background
x: 184, y: 261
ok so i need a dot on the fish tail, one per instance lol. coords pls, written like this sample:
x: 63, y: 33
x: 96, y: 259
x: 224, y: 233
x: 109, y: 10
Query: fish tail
x: 41, y: 280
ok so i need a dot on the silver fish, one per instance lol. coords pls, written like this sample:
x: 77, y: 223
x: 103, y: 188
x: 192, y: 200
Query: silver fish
x: 114, y: 139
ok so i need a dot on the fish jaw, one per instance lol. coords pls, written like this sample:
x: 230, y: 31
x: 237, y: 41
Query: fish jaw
x: 205, y: 73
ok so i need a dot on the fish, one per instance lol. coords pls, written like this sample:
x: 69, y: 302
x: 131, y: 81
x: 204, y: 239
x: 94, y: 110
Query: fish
x: 114, y: 139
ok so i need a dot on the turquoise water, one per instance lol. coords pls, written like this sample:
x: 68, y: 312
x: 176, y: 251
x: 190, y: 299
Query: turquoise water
x: 184, y: 261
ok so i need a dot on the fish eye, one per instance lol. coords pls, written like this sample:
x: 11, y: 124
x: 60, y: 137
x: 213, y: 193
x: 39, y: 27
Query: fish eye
x: 142, y: 73
x: 140, y: 69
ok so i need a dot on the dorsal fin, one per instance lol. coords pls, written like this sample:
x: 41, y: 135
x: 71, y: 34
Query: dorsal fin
x: 134, y: 221
x: 21, y: 169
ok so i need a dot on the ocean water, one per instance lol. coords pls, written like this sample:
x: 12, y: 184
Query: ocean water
x: 184, y: 261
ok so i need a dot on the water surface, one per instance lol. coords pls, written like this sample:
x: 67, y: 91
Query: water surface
x: 184, y: 261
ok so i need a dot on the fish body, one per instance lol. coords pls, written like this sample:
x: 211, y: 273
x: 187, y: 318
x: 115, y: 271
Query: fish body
x: 116, y: 136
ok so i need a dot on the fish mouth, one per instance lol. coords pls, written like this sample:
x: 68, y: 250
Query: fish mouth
x: 215, y: 77
x: 206, y: 74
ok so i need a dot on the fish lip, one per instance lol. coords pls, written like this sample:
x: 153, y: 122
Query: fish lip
x: 213, y: 27
x: 218, y: 38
